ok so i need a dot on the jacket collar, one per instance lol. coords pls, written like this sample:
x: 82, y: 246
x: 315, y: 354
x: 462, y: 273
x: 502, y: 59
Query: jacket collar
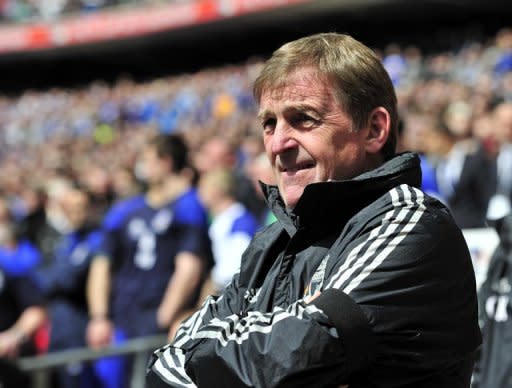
x: 327, y: 204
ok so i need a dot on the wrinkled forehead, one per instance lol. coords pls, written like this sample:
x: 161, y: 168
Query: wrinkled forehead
x: 300, y: 86
x: 294, y: 78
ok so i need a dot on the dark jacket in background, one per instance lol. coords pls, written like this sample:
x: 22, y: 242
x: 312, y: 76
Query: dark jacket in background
x: 494, y: 364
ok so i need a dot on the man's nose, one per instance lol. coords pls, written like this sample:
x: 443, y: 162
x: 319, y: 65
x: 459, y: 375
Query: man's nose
x: 283, y: 139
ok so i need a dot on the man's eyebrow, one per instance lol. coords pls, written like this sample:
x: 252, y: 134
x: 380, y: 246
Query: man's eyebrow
x: 289, y: 108
x: 302, y: 108
x: 264, y: 114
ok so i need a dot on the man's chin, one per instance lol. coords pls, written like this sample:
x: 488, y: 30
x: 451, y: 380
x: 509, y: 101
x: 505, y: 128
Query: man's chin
x: 291, y: 200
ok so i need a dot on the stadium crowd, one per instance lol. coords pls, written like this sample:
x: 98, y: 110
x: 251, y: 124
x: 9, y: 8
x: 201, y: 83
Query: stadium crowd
x: 15, y: 11
x: 69, y: 158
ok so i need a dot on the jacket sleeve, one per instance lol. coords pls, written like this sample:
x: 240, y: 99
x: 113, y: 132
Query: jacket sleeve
x: 287, y: 347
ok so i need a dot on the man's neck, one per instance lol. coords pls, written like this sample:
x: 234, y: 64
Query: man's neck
x: 167, y: 190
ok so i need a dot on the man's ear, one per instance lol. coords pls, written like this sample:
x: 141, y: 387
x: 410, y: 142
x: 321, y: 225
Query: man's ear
x: 379, y: 125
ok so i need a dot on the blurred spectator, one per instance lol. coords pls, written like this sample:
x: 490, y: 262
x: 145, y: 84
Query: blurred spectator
x: 97, y: 181
x: 492, y: 369
x: 22, y: 314
x: 464, y: 170
x: 231, y: 230
x: 55, y: 225
x: 421, y: 134
x: 395, y: 63
x: 218, y: 152
x: 124, y: 183
x: 33, y: 218
x: 154, y: 260
x: 260, y: 170
x: 504, y: 51
x: 484, y: 132
x: 49, y: 9
x: 19, y: 255
x: 500, y: 203
x: 63, y: 284
x: 16, y: 253
x: 251, y: 147
x: 232, y: 225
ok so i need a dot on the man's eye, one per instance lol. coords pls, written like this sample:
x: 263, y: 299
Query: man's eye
x: 269, y: 124
x: 304, y: 119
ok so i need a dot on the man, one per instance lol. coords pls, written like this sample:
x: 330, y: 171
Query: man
x: 494, y: 361
x: 63, y: 284
x: 232, y: 227
x: 231, y: 230
x: 154, y: 257
x: 22, y: 314
x: 500, y: 202
x: 363, y: 280
x: 464, y: 169
x: 217, y: 152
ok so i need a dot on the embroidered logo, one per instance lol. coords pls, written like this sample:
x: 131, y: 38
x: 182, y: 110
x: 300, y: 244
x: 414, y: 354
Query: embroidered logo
x: 251, y: 295
x: 317, y: 280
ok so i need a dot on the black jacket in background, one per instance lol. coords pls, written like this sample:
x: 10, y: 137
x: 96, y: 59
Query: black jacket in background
x: 494, y: 364
x: 473, y: 189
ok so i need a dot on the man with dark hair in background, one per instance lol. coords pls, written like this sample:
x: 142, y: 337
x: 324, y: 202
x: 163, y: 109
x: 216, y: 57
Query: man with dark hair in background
x: 364, y: 280
x: 152, y: 262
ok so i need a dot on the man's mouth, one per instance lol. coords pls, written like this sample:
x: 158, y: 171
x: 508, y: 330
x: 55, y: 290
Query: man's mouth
x: 297, y: 167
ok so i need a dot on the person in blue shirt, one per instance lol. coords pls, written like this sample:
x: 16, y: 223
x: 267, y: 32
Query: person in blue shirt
x: 23, y: 312
x: 63, y: 284
x: 155, y: 253
x: 231, y: 230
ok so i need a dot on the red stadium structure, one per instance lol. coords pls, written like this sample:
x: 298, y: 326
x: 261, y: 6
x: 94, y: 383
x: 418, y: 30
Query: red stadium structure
x: 161, y: 37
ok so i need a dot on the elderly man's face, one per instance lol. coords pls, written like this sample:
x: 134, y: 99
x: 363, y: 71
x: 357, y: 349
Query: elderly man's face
x: 307, y: 135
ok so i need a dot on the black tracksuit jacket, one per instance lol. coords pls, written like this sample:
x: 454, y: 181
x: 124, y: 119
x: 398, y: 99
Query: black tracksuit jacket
x: 397, y: 304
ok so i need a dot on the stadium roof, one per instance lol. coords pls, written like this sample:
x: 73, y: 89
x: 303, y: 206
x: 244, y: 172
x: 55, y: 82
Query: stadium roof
x: 185, y: 36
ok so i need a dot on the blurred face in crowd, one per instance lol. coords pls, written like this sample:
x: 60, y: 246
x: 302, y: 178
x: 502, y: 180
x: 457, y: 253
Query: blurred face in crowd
x: 32, y: 199
x: 216, y: 188
x: 207, y: 191
x: 214, y: 154
x: 307, y: 135
x: 124, y: 183
x: 260, y: 169
x: 458, y: 119
x: 155, y: 168
x: 5, y: 213
x: 483, y: 130
x: 96, y: 180
x: 76, y: 208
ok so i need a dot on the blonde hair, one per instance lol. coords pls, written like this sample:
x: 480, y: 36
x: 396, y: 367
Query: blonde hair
x: 221, y: 179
